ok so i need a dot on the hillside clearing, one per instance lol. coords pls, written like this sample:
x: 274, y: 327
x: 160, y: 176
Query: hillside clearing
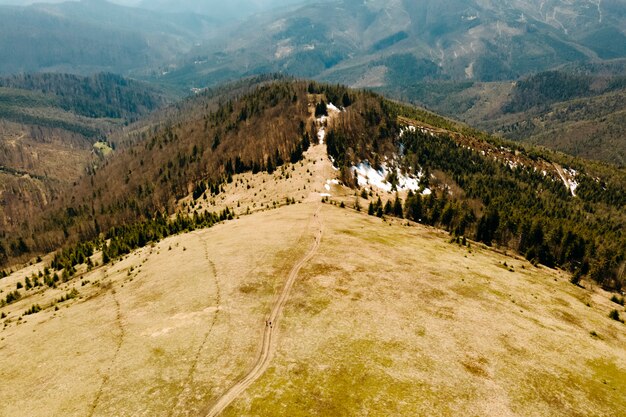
x: 405, y: 324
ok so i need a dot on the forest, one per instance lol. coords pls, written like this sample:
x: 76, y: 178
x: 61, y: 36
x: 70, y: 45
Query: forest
x: 474, y: 196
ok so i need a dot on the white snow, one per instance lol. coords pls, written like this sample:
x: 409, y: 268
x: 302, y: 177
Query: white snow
x: 327, y: 186
x: 409, y: 128
x: 333, y: 108
x: 321, y: 134
x: 571, y: 183
x: 427, y: 191
x: 325, y: 195
x: 368, y: 176
x: 321, y: 122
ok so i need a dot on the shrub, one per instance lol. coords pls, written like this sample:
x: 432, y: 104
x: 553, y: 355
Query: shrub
x: 12, y: 297
x: 617, y: 300
x: 35, y: 308
x: 614, y: 314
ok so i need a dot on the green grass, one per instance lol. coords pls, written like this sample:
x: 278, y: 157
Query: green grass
x: 355, y: 384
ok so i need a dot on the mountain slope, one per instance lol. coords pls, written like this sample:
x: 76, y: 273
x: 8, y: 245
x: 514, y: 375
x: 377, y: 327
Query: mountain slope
x: 184, y: 319
x: 53, y: 128
x: 92, y: 36
x: 363, y: 43
x: 575, y: 110
x: 556, y: 210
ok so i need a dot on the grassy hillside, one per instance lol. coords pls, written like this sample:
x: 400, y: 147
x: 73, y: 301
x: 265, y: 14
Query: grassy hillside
x: 403, y: 324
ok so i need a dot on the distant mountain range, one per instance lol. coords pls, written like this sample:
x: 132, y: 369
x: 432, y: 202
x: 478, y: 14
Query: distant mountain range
x: 457, y: 57
x: 93, y: 36
x: 359, y: 43
x: 376, y: 43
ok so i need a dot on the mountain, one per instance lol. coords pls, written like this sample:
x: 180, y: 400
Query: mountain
x: 236, y: 10
x: 554, y: 209
x: 53, y: 128
x: 378, y: 43
x: 92, y: 36
x: 283, y: 247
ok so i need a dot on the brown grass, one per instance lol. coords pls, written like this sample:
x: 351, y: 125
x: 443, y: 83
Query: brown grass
x: 386, y: 319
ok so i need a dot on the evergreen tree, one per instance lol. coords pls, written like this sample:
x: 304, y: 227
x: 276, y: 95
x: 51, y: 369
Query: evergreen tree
x: 321, y: 109
x: 397, y: 207
x: 413, y: 207
x: 388, y: 208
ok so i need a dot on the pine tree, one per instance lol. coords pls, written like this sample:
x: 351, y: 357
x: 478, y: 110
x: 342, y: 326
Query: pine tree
x: 388, y: 208
x: 321, y: 109
x: 345, y: 100
x: 413, y: 207
x: 397, y: 207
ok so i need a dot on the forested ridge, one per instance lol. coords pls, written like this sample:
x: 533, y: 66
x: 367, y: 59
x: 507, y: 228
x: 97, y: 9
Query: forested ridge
x: 197, y: 146
x: 508, y: 202
x: 474, y: 193
x: 101, y: 95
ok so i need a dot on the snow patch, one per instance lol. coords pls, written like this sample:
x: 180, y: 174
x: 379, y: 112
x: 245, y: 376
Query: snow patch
x: 333, y: 108
x: 368, y: 176
x: 322, y: 120
x: 321, y: 134
x: 571, y: 182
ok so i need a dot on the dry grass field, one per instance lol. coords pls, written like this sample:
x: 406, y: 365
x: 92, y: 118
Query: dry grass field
x: 384, y: 319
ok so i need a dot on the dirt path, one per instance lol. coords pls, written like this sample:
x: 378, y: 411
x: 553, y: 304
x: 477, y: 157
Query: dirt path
x: 118, y: 347
x: 218, y: 302
x: 267, y: 348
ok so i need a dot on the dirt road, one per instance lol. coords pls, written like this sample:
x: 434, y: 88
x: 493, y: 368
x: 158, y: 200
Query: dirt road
x: 271, y: 326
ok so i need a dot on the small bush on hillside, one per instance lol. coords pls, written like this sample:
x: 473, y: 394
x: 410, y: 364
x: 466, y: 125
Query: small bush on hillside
x: 575, y: 279
x: 70, y: 295
x: 35, y: 308
x: 614, y: 314
x: 12, y: 297
x: 617, y: 300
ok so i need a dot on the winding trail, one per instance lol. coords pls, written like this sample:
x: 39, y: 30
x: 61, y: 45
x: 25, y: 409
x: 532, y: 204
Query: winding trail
x: 218, y: 301
x: 267, y: 347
